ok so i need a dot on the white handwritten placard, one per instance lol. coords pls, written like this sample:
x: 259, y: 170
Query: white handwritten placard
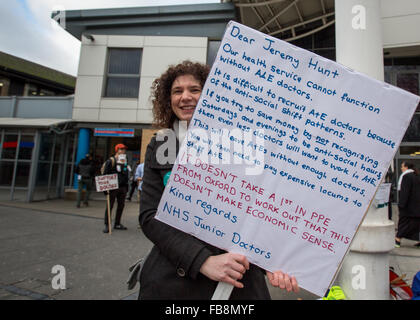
x: 106, y: 182
x: 283, y: 156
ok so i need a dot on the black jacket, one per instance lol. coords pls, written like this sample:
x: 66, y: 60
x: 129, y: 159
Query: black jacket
x: 172, y: 269
x: 409, y: 196
x: 112, y: 167
x: 85, y: 168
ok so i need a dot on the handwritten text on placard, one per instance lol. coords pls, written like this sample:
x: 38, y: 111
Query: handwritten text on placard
x: 283, y: 156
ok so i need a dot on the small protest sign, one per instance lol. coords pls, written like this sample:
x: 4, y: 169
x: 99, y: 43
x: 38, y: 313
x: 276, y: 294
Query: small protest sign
x: 283, y: 156
x: 106, y: 182
x: 382, y: 195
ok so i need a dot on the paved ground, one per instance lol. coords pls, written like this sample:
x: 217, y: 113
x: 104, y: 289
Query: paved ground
x: 35, y: 237
x: 52, y: 233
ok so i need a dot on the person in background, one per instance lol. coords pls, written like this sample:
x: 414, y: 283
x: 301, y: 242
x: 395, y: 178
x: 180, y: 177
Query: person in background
x: 138, y: 177
x: 85, y: 171
x: 408, y: 204
x: 179, y: 265
x: 134, y: 182
x: 117, y: 164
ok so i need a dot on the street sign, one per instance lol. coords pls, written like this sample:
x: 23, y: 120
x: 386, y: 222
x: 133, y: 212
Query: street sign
x: 114, y: 132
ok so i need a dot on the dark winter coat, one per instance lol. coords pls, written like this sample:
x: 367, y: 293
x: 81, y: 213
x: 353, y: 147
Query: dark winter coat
x: 409, y: 196
x: 172, y: 269
x: 111, y: 167
x: 85, y: 168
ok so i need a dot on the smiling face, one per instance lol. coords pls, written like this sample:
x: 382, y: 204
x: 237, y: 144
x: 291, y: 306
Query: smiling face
x: 185, y: 93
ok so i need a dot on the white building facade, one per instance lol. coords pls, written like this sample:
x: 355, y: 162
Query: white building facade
x: 103, y: 72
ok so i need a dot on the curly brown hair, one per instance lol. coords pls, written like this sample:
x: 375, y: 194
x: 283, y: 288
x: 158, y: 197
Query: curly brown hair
x: 163, y: 115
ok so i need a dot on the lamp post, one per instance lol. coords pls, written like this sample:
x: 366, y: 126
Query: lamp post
x: 365, y: 270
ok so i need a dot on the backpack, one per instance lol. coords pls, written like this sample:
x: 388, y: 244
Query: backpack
x: 85, y: 170
x: 104, y: 165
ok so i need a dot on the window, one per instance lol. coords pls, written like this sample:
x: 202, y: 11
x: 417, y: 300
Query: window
x: 22, y: 174
x: 6, y: 168
x: 413, y: 131
x: 409, y: 82
x: 45, y: 92
x: 46, y: 147
x: 4, y: 86
x: 406, y: 77
x: 212, y: 48
x: 123, y: 73
x: 9, y: 146
x: 321, y: 42
x: 407, y: 150
x: 30, y: 90
x: 26, y: 146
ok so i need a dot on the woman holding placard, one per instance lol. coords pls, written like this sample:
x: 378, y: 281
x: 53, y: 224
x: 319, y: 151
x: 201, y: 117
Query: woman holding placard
x: 181, y: 266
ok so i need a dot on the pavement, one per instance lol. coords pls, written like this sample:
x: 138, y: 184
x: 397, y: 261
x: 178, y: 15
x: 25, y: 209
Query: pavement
x: 53, y: 250
x: 35, y: 237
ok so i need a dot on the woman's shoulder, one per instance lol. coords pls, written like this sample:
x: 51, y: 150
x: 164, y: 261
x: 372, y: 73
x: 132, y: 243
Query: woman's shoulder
x: 161, y: 136
x: 161, y: 158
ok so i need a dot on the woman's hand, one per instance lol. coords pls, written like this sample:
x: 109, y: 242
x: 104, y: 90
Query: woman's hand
x: 283, y: 281
x: 227, y: 267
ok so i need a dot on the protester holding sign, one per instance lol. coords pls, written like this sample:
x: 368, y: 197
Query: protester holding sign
x: 181, y: 266
x: 117, y: 164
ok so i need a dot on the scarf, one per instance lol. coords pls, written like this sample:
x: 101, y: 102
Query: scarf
x: 401, y: 177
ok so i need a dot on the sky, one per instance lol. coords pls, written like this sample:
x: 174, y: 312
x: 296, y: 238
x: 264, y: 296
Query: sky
x: 27, y: 30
